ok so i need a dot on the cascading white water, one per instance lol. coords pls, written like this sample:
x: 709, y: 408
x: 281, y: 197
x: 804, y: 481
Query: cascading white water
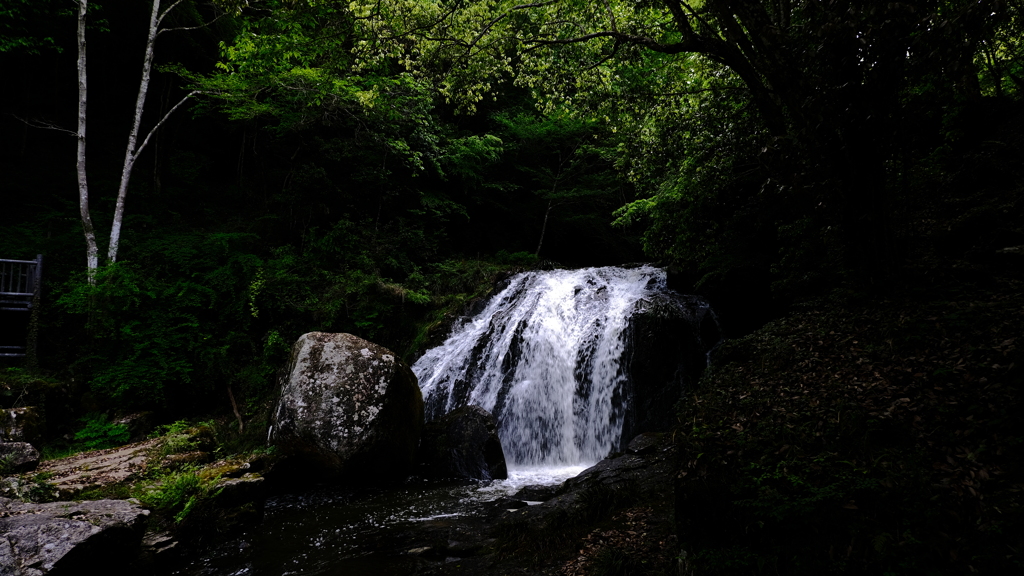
x: 544, y: 357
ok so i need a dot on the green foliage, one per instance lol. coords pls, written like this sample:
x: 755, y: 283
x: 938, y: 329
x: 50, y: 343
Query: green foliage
x: 709, y: 209
x: 54, y: 451
x: 755, y: 144
x: 20, y: 387
x: 178, y: 493
x: 26, y: 25
x: 40, y: 489
x: 178, y: 437
x: 151, y: 325
x: 98, y: 433
x: 116, y: 491
x: 562, y: 162
x: 299, y: 69
x: 1000, y: 58
x: 516, y: 258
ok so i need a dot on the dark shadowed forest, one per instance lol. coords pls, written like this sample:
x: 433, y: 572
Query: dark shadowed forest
x: 846, y: 173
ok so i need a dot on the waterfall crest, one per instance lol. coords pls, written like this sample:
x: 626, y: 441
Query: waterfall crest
x: 545, y: 357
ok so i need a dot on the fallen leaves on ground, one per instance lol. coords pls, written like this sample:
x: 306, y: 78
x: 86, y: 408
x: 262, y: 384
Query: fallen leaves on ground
x: 838, y: 400
x: 643, y: 535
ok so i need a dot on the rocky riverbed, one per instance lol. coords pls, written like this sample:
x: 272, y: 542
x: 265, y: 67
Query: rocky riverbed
x: 532, y: 523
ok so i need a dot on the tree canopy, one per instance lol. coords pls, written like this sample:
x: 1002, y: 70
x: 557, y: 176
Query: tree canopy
x: 369, y: 166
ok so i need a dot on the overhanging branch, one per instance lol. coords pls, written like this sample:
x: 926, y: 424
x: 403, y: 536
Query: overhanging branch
x: 43, y: 125
x: 162, y: 120
x: 693, y: 44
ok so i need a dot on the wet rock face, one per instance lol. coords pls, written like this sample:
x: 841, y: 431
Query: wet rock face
x: 643, y: 475
x: 667, y: 341
x: 18, y: 457
x: 348, y: 408
x: 139, y: 425
x: 463, y: 444
x: 536, y: 493
x: 95, y: 537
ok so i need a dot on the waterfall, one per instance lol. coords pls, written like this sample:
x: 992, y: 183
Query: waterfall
x: 545, y: 356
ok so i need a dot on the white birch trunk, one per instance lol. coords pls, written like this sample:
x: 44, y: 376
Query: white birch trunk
x: 91, y: 250
x: 131, y: 151
x: 133, y: 148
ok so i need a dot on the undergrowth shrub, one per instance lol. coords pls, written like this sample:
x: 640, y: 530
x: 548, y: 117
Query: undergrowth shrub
x: 98, y: 433
x: 178, y: 493
x: 183, y: 436
x: 187, y: 317
x: 6, y: 464
x: 20, y: 387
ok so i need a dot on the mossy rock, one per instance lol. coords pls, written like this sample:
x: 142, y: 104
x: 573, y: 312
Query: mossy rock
x: 22, y: 425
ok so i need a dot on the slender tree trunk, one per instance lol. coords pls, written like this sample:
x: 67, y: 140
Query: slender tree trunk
x: 131, y: 152
x: 158, y: 165
x: 133, y: 148
x: 32, y: 339
x: 91, y: 251
x: 543, y: 228
x: 234, y: 408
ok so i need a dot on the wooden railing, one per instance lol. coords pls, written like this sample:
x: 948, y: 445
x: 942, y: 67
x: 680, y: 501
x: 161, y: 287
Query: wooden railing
x: 20, y: 281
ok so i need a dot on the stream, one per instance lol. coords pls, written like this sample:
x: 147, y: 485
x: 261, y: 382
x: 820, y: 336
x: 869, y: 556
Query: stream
x: 330, y: 531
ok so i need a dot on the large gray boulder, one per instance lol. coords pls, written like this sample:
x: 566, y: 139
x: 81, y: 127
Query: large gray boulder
x: 349, y: 408
x: 17, y: 457
x: 93, y: 537
x: 463, y: 444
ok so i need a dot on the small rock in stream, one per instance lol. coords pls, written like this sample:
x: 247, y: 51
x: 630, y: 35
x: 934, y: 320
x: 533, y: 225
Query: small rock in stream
x: 536, y: 493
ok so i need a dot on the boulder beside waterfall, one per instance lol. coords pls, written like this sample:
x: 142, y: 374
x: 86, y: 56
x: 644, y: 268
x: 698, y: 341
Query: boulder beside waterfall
x: 463, y: 444
x: 668, y: 337
x: 348, y: 408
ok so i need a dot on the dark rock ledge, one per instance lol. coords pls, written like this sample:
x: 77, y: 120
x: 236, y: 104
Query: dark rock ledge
x: 544, y: 526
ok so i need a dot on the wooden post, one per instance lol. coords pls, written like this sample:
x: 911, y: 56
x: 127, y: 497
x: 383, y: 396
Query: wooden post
x: 31, y: 339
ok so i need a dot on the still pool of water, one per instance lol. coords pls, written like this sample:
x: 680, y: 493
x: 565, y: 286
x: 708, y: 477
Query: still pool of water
x: 329, y: 531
